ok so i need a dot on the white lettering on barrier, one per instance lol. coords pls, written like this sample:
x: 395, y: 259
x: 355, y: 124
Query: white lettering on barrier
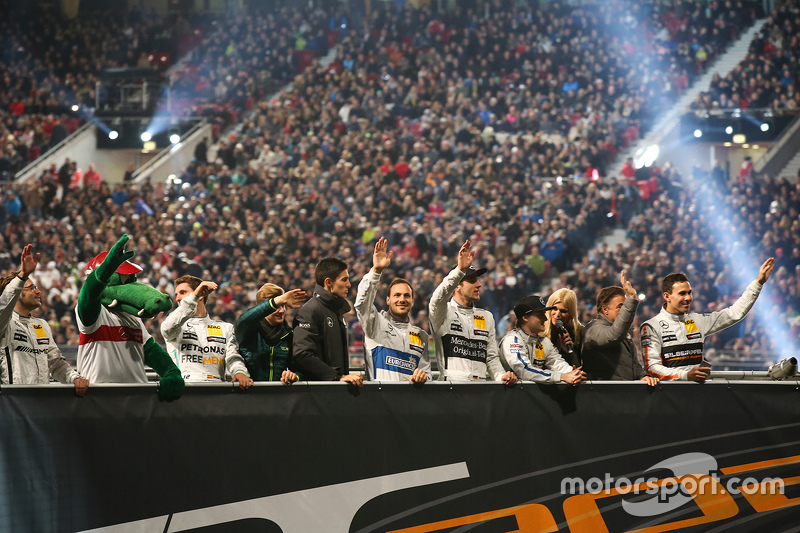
x: 330, y: 508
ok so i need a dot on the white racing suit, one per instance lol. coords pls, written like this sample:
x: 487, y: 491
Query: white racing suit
x: 394, y: 348
x: 8, y: 299
x: 673, y: 344
x: 532, y: 358
x: 201, y: 348
x: 466, y: 342
x: 34, y: 354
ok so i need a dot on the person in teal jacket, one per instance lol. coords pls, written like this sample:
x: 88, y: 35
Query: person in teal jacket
x: 265, y: 339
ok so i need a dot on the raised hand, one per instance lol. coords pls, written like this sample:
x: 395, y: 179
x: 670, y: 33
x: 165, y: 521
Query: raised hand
x: 630, y: 292
x: 465, y: 256
x: 204, y: 289
x: 765, y: 270
x: 118, y: 255
x: 380, y: 258
x: 291, y: 299
x: 28, y: 261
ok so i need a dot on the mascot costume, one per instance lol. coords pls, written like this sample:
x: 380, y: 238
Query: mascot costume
x: 114, y: 344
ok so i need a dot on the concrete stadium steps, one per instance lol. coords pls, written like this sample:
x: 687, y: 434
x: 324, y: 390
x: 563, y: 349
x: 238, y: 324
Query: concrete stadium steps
x: 792, y: 167
x: 735, y: 54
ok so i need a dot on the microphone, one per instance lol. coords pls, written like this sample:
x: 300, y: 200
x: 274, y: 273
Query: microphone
x: 561, y: 329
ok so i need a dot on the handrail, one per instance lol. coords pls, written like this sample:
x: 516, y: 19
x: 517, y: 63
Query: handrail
x: 163, y: 154
x: 21, y: 177
x: 719, y: 380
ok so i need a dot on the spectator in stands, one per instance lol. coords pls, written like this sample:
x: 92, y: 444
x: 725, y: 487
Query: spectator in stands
x: 265, y: 339
x: 396, y: 350
x: 609, y: 352
x: 321, y: 350
x: 672, y: 341
x: 128, y: 173
x: 30, y: 354
x: 531, y: 356
x: 203, y: 348
x: 92, y: 177
x: 466, y: 339
x: 65, y: 176
x: 563, y: 327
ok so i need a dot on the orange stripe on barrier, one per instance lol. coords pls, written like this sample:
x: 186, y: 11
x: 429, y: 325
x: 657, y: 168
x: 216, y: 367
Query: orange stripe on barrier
x: 761, y: 464
x: 533, y: 518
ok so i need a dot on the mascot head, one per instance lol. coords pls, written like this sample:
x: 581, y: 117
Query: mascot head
x: 124, y: 293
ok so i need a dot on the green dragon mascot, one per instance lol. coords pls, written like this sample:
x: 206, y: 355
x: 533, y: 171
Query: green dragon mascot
x: 114, y: 344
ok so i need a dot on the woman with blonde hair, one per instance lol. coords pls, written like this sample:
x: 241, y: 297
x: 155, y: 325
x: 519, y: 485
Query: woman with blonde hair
x: 568, y: 338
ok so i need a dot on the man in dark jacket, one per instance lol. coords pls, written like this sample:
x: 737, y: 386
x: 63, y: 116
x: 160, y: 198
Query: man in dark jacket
x: 608, y: 349
x: 320, y: 332
x: 265, y: 339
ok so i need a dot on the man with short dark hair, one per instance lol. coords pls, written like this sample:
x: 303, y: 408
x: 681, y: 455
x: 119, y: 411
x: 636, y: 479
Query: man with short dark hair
x: 202, y: 348
x: 30, y: 354
x: 396, y: 349
x: 529, y: 354
x: 609, y: 352
x: 673, y: 340
x: 466, y: 340
x: 320, y: 331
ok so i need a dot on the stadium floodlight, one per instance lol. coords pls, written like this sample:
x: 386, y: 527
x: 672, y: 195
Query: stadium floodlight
x: 146, y: 136
x: 174, y: 138
x: 764, y: 126
x: 646, y: 156
x: 729, y: 130
x: 698, y: 133
x: 113, y: 134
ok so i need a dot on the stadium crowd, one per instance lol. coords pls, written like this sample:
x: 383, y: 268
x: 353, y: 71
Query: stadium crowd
x: 767, y: 77
x: 50, y: 63
x: 478, y: 134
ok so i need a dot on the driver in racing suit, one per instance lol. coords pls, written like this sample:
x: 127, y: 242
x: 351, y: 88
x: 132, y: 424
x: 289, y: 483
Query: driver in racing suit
x: 203, y: 349
x: 672, y: 341
x: 396, y: 349
x: 28, y: 350
x: 466, y: 340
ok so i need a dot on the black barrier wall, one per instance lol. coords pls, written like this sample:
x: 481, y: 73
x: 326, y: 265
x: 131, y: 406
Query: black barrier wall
x: 437, y: 457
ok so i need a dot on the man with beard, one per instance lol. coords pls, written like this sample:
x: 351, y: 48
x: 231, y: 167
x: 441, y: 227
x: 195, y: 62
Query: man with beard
x: 396, y: 349
x: 30, y: 353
